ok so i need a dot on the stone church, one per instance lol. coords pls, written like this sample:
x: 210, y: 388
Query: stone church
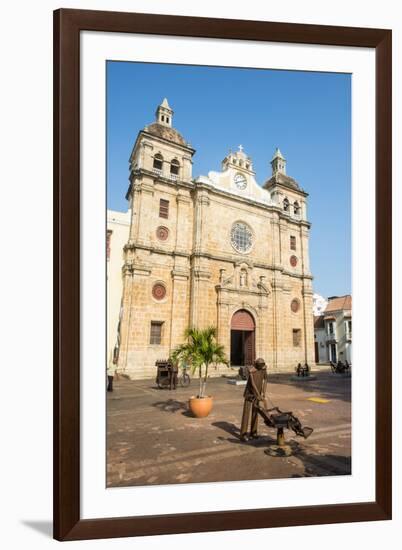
x: 217, y: 250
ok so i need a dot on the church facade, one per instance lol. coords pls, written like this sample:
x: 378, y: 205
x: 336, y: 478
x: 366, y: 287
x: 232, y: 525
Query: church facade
x: 219, y: 250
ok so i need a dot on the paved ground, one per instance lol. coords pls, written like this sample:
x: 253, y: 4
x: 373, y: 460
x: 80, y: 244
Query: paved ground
x: 153, y: 439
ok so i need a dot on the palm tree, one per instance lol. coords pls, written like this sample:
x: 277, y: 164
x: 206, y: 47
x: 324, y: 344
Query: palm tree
x: 200, y: 350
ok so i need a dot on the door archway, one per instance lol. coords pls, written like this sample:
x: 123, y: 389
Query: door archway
x: 242, y: 338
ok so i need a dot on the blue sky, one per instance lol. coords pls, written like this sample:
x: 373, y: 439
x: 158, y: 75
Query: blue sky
x: 306, y: 114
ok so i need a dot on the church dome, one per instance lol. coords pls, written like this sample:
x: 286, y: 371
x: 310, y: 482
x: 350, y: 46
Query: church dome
x: 282, y: 179
x: 165, y: 132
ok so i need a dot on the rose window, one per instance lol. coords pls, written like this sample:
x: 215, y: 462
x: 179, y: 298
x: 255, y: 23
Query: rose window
x: 241, y: 237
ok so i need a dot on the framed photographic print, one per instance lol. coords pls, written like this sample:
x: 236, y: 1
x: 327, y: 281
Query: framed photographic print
x: 222, y: 190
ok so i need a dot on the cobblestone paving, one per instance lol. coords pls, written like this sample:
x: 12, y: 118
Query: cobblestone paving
x: 153, y: 439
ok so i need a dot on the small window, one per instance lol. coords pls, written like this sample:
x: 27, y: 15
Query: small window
x: 292, y: 242
x: 296, y: 337
x: 158, y: 161
x: 330, y: 327
x: 296, y: 208
x: 163, y: 208
x: 163, y: 118
x: 156, y: 332
x: 167, y: 119
x: 286, y: 205
x: 174, y: 167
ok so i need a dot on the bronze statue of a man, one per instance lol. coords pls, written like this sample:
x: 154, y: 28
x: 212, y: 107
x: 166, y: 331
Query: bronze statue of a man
x: 254, y: 393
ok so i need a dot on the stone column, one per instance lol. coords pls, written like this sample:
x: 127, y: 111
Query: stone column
x: 183, y: 220
x: 125, y: 315
x: 277, y: 320
x: 200, y: 223
x: 145, y: 221
x: 199, y: 269
x: 179, y: 306
x: 308, y: 322
x: 304, y: 250
x: 223, y: 324
x: 135, y: 212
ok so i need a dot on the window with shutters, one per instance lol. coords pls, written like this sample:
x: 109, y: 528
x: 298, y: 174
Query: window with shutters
x: 292, y: 242
x: 156, y: 332
x: 163, y: 208
x: 296, y: 337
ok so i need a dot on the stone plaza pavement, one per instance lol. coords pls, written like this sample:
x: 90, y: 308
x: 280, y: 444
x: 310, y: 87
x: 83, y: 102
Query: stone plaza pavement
x: 152, y: 439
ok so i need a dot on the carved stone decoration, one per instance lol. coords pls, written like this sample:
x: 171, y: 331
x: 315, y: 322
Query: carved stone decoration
x: 159, y: 291
x: 293, y: 261
x: 295, y: 305
x: 243, y: 278
x: 162, y: 233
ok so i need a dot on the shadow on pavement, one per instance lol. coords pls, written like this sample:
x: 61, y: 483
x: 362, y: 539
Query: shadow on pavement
x: 170, y: 405
x: 314, y: 464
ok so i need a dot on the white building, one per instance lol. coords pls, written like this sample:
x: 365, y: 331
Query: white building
x: 118, y: 226
x: 333, y: 331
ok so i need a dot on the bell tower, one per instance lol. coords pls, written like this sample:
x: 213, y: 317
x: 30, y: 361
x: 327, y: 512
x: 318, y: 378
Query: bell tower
x: 164, y: 114
x: 278, y: 163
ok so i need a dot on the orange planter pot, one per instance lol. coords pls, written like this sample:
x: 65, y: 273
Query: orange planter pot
x: 200, y: 406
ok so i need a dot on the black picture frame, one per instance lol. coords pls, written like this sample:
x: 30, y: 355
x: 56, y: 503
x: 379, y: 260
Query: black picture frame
x: 67, y: 27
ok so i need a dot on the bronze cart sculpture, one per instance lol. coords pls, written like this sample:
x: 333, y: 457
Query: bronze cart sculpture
x: 255, y: 405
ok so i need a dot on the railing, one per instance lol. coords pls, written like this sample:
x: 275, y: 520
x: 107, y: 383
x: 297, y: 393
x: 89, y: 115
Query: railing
x: 157, y: 171
x: 331, y: 337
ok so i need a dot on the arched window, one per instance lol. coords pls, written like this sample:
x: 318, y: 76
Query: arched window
x: 296, y: 208
x: 174, y: 167
x: 158, y: 161
x: 286, y: 205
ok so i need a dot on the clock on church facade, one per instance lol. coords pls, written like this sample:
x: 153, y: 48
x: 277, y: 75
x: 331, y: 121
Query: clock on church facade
x: 213, y: 250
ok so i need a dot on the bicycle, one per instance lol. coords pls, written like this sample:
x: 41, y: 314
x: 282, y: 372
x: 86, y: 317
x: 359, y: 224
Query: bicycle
x: 184, y: 378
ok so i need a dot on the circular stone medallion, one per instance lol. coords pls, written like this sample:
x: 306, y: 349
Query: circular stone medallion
x: 293, y: 261
x: 158, y: 291
x: 295, y: 305
x: 162, y: 233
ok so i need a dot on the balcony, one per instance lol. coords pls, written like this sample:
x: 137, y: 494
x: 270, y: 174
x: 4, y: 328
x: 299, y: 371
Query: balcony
x: 157, y: 171
x: 349, y: 336
x: 331, y: 337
